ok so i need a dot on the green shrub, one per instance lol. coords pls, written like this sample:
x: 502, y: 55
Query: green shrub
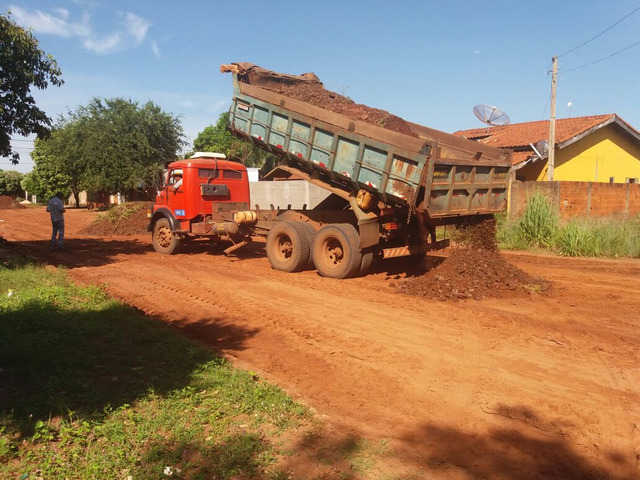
x: 539, y: 227
x: 538, y: 224
x: 507, y: 233
x: 609, y: 237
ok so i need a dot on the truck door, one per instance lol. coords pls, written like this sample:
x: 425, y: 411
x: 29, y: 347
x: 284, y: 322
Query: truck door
x: 175, y: 193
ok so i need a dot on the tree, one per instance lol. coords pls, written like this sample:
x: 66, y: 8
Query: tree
x: 125, y: 146
x: 22, y: 66
x: 216, y: 138
x: 108, y: 146
x: 10, y: 183
x: 51, y: 175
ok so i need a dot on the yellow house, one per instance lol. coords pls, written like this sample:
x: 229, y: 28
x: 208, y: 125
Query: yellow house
x: 599, y: 148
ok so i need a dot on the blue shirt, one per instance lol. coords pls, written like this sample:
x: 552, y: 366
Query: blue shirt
x: 55, y: 207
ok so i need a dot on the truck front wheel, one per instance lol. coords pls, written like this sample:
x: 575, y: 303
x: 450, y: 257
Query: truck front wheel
x: 288, y: 246
x: 164, y: 240
x: 336, y: 252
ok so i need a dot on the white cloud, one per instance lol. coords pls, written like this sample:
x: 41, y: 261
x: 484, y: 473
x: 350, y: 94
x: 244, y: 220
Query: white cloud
x: 136, y: 27
x: 54, y: 24
x: 476, y: 52
x: 156, y: 49
x: 131, y: 32
x: 107, y: 44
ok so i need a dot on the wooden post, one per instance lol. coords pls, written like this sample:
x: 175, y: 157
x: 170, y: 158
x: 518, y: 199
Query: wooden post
x: 552, y: 122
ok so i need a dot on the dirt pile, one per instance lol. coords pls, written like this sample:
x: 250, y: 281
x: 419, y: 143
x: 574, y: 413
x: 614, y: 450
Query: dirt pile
x: 6, y: 202
x: 126, y: 219
x: 475, y: 269
x: 319, y: 96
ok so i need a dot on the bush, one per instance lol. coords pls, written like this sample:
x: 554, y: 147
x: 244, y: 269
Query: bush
x: 611, y: 237
x: 535, y: 228
x: 539, y: 227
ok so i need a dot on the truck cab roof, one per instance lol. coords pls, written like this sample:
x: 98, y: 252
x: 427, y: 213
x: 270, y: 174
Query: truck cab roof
x: 208, y: 155
x: 208, y: 162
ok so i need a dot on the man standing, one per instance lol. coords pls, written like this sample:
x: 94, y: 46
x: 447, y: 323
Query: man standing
x: 55, y: 207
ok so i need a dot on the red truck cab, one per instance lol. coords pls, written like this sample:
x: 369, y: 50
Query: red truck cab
x: 200, y: 196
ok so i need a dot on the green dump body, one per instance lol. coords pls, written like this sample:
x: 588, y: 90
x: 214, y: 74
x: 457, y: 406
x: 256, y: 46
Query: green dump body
x: 443, y: 175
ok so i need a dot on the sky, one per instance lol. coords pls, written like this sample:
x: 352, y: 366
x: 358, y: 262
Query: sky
x: 429, y: 62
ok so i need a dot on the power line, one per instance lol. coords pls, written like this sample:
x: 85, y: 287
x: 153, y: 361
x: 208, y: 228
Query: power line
x: 21, y: 140
x: 603, y: 58
x: 544, y: 112
x: 600, y: 34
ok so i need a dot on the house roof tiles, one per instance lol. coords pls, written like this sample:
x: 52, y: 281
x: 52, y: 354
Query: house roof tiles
x: 518, y: 136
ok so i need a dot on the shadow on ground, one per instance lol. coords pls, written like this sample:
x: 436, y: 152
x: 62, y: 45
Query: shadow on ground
x: 432, y: 451
x: 403, y: 267
x: 82, y: 252
x: 54, y: 361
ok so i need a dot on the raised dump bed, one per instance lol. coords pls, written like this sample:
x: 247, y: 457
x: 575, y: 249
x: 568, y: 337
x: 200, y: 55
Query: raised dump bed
x: 442, y: 175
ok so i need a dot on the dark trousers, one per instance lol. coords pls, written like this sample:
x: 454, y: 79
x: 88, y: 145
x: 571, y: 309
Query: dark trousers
x: 58, y: 231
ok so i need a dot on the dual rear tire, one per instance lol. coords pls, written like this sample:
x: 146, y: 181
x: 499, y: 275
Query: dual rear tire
x: 336, y: 252
x: 289, y: 244
x: 334, y: 249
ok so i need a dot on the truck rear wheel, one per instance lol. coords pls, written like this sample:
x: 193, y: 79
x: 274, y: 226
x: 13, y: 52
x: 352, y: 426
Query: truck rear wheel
x: 310, y: 232
x: 365, y: 263
x: 164, y: 240
x: 288, y: 246
x: 336, y: 253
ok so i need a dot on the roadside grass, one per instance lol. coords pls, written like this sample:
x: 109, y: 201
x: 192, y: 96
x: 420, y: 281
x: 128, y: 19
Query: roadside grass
x: 91, y: 388
x: 539, y: 228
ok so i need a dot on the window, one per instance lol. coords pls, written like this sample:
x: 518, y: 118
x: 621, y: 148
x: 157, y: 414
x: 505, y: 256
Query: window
x: 208, y: 173
x: 611, y: 179
x: 175, y: 176
x: 632, y: 180
x: 232, y: 174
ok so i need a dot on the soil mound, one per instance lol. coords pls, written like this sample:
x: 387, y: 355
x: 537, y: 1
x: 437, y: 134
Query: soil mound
x: 475, y: 269
x: 125, y: 219
x: 472, y: 273
x: 319, y: 96
x: 7, y: 202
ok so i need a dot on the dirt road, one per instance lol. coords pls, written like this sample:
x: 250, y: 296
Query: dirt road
x: 546, y: 386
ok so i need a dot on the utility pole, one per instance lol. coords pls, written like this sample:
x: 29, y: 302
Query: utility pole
x: 552, y: 122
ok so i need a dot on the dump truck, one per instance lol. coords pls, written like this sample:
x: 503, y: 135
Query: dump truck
x: 387, y: 190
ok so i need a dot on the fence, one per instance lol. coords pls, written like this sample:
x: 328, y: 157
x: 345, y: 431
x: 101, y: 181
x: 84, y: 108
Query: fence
x: 579, y: 199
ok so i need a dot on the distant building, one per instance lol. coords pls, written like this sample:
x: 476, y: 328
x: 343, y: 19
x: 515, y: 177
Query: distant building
x: 599, y: 148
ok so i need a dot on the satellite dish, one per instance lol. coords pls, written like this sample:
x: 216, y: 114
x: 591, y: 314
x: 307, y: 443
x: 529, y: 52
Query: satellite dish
x: 542, y: 146
x: 492, y: 116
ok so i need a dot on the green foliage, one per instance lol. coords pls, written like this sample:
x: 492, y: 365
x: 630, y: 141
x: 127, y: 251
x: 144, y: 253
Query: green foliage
x: 109, y: 146
x: 508, y: 234
x: 538, y: 224
x: 49, y: 175
x: 539, y: 227
x: 23, y: 66
x: 10, y: 183
x: 216, y: 138
x: 611, y: 237
x: 92, y: 389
